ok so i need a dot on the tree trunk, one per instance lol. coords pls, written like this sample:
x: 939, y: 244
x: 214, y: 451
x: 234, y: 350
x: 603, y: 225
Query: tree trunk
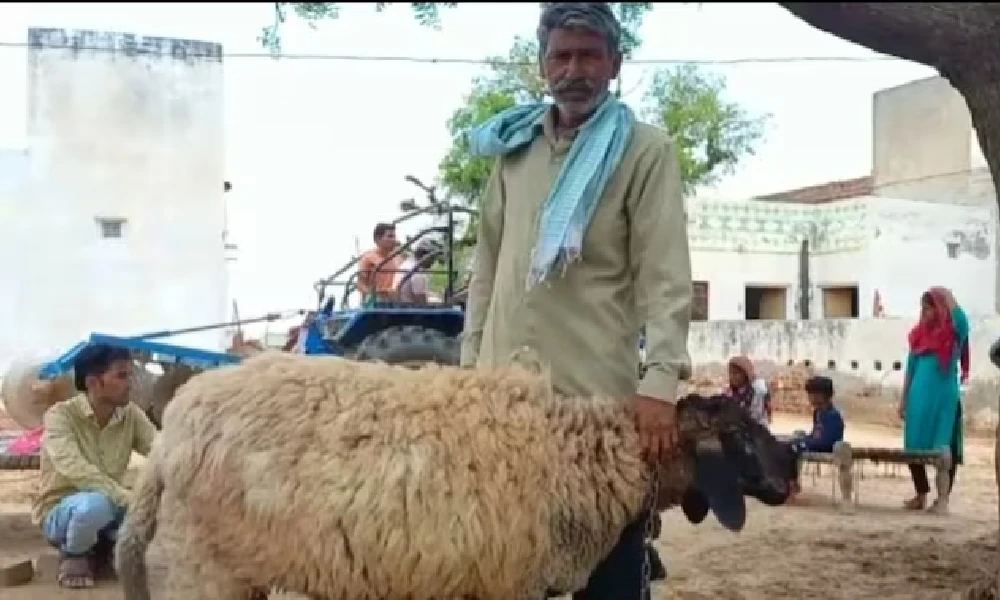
x: 960, y: 40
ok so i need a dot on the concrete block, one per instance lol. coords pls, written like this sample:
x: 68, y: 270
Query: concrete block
x: 47, y: 566
x: 16, y: 573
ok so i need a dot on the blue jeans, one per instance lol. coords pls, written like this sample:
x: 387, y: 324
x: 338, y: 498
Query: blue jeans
x: 80, y: 520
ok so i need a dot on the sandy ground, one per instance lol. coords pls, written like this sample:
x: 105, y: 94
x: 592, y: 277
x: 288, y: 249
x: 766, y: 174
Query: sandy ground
x: 809, y: 550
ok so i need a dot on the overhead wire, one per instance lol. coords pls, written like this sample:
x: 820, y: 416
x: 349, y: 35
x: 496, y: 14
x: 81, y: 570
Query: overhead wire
x: 469, y: 61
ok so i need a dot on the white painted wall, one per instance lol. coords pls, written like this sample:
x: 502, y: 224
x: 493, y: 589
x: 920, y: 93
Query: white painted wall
x: 908, y: 254
x: 137, y: 137
x: 896, y: 247
x: 843, y: 341
x: 977, y: 160
x: 727, y: 274
x: 839, y: 269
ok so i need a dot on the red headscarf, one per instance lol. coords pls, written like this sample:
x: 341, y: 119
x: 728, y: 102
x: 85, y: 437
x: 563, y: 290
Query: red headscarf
x: 938, y: 336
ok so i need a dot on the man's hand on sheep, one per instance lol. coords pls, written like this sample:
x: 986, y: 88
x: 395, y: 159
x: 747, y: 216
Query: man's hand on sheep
x: 656, y: 423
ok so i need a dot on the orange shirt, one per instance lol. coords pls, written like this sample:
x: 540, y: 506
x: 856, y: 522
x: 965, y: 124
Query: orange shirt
x: 384, y: 279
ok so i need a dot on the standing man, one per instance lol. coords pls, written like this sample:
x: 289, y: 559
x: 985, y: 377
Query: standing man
x: 380, y: 283
x: 582, y: 241
x: 86, y: 448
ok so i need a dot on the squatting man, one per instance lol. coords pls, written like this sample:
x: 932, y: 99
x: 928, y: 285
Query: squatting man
x: 85, y: 452
x: 583, y: 240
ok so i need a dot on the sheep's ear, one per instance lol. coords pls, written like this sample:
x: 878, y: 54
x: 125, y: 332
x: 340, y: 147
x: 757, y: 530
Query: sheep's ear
x: 695, y: 506
x: 718, y: 479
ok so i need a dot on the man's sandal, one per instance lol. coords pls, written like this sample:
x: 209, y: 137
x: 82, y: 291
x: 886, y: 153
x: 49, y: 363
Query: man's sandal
x: 76, y: 572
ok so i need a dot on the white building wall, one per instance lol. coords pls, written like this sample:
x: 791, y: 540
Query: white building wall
x: 976, y: 158
x: 909, y: 253
x: 840, y: 269
x: 895, y: 247
x: 870, y: 348
x: 728, y: 274
x: 119, y: 126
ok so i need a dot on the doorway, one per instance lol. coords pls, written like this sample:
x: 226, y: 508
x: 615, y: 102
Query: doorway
x: 699, y: 301
x: 765, y: 302
x: 840, y: 302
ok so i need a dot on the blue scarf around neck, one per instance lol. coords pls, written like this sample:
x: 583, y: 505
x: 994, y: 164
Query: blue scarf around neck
x: 572, y: 200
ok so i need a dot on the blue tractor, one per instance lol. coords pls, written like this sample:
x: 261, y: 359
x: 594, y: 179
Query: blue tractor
x: 388, y: 330
x: 393, y: 332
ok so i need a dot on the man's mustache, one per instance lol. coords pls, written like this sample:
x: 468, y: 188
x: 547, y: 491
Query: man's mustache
x: 573, y: 85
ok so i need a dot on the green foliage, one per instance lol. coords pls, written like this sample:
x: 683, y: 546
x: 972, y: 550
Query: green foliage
x: 711, y: 134
x: 630, y: 15
x: 514, y: 78
x: 426, y: 13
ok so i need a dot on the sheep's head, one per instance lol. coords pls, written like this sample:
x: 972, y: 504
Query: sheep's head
x: 731, y: 456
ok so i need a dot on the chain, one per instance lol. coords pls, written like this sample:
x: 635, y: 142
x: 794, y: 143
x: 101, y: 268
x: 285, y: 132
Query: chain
x: 654, y: 489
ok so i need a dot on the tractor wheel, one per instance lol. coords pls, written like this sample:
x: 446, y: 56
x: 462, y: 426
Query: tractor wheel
x: 410, y: 346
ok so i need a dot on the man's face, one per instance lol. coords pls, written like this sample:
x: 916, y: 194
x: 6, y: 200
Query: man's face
x: 578, y: 67
x: 113, y: 385
x: 387, y: 243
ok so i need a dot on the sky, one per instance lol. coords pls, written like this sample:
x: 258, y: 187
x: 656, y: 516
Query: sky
x: 317, y: 149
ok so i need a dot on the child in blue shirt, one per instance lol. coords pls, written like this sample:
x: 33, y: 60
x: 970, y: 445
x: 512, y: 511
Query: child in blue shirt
x: 828, y: 425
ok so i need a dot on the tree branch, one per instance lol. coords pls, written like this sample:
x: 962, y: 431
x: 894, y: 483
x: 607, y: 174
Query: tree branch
x: 945, y: 36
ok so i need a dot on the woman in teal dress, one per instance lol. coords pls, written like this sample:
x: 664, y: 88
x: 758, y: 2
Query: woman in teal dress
x: 931, y: 408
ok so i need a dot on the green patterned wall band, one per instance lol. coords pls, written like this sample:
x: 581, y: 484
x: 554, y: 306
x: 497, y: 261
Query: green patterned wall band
x: 776, y: 227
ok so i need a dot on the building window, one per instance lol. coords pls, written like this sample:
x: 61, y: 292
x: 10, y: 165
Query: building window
x: 952, y: 249
x: 111, y: 228
x: 699, y: 301
x: 765, y: 302
x: 841, y: 302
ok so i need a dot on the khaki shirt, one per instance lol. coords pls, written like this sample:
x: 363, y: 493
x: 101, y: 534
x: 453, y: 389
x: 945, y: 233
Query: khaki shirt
x: 635, y: 270
x: 77, y: 454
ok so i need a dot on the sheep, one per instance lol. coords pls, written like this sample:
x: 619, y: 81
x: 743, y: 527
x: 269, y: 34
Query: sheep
x: 343, y: 479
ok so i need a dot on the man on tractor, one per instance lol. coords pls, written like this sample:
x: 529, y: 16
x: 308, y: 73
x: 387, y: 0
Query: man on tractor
x: 413, y: 278
x: 379, y: 285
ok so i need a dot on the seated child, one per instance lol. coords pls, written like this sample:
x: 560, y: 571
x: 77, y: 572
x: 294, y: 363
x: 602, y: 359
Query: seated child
x: 828, y: 425
x: 749, y: 390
